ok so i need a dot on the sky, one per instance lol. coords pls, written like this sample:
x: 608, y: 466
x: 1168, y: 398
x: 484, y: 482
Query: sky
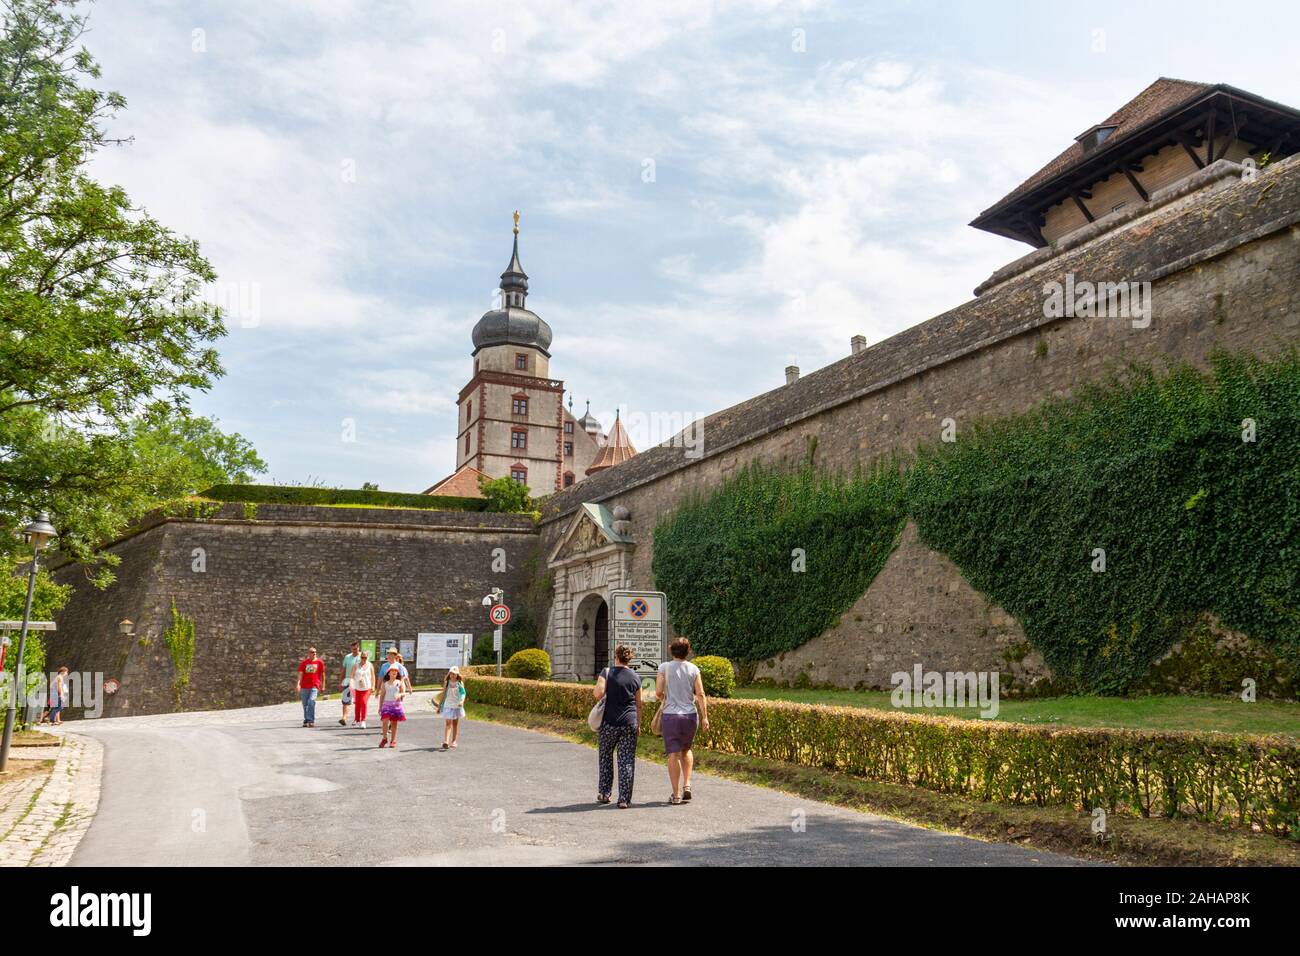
x: 708, y: 191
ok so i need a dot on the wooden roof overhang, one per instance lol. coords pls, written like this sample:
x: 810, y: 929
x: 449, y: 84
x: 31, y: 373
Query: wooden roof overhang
x: 1272, y: 127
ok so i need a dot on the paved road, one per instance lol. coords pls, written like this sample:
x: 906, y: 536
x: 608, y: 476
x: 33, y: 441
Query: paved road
x: 252, y: 787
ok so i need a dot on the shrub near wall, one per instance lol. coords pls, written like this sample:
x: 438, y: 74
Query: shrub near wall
x: 1240, y: 780
x: 531, y: 663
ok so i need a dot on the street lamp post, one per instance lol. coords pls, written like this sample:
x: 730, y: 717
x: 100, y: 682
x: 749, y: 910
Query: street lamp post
x: 37, y: 534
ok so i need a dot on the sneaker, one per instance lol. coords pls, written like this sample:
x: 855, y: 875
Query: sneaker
x: 343, y: 721
x: 383, y: 743
x: 362, y: 725
x: 686, y: 793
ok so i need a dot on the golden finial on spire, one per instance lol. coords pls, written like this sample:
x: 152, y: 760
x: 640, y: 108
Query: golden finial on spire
x: 516, y: 222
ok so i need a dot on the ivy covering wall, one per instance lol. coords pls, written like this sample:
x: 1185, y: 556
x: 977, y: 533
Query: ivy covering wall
x: 771, y: 560
x: 1106, y: 524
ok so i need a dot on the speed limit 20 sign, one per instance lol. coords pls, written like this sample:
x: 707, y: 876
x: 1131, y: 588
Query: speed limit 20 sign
x: 499, y: 614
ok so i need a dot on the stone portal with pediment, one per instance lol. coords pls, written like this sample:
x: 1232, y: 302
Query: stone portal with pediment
x: 592, y: 558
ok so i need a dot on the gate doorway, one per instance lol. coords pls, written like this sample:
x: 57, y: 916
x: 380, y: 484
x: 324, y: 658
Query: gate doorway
x: 591, y: 629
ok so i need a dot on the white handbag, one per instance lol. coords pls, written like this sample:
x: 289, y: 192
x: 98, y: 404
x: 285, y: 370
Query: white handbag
x: 596, y: 716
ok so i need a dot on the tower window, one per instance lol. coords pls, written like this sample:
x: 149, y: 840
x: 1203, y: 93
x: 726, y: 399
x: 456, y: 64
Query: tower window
x: 568, y: 428
x: 521, y: 361
x: 568, y: 449
x: 568, y: 478
x: 518, y: 438
x: 519, y: 473
x: 469, y: 410
x: 519, y: 406
x: 467, y: 443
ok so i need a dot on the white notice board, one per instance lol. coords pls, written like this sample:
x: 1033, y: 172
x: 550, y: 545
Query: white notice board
x: 440, y: 651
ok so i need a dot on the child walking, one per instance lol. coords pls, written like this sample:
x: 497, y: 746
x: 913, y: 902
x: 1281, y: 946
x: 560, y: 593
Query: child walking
x: 453, y: 706
x: 391, y: 692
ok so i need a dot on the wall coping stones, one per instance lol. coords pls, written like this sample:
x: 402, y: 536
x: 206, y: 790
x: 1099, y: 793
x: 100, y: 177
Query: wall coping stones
x: 325, y: 516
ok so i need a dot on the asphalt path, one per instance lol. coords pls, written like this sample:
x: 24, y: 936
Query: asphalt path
x: 253, y: 787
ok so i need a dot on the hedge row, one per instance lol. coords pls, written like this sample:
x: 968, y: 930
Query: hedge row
x: 292, y: 495
x: 1241, y: 780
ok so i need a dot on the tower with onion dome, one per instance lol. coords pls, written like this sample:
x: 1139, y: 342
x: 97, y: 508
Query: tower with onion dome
x: 512, y: 420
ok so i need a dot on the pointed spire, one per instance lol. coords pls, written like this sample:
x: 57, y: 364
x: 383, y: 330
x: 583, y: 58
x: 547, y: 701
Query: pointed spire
x: 617, y: 449
x: 514, y: 281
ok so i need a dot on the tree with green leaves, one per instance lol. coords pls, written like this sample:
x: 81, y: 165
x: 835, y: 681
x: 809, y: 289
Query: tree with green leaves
x: 505, y: 495
x: 104, y: 333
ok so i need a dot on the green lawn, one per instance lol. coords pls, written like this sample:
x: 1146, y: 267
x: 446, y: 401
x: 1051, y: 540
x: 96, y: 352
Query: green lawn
x: 1226, y: 714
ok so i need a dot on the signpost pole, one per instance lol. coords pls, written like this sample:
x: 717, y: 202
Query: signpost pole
x: 498, y: 614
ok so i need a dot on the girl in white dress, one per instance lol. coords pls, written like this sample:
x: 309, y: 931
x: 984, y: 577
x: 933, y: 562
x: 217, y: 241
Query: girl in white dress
x: 453, y: 706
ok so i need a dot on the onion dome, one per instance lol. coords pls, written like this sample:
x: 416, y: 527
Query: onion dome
x: 512, y: 324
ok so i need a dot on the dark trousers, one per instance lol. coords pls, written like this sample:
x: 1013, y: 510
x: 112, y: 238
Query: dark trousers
x: 624, y: 740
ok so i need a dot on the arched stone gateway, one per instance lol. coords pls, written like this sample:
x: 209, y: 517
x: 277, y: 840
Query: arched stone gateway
x: 591, y: 636
x: 592, y: 558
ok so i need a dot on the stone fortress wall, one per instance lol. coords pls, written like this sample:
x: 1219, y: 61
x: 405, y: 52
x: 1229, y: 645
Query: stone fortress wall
x: 288, y: 578
x: 1223, y: 256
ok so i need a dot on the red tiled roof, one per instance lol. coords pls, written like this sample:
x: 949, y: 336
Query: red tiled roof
x: 617, y: 448
x: 462, y: 483
x: 1160, y: 97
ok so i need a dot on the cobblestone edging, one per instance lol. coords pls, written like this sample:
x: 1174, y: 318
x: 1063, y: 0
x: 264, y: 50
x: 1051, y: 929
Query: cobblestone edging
x: 42, y: 823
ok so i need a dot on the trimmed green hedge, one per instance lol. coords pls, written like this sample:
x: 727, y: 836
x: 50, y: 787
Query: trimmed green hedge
x: 1240, y: 780
x: 292, y: 495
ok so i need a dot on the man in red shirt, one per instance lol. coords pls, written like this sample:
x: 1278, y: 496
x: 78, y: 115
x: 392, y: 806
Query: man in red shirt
x: 311, y: 681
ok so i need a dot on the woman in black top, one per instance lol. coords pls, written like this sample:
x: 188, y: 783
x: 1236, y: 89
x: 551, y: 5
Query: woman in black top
x: 620, y: 689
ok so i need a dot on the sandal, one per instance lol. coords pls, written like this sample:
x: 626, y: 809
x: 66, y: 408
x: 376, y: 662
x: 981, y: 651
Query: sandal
x: 675, y: 800
x: 600, y: 799
x: 686, y: 794
x: 382, y: 743
x: 623, y: 804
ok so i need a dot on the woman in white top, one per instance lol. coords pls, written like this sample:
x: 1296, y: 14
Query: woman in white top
x: 363, y: 682
x: 679, y: 685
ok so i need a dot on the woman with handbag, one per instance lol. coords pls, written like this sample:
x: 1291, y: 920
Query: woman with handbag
x: 681, y: 688
x: 620, y: 690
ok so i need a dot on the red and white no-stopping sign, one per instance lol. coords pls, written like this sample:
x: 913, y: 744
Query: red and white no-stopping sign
x: 499, y: 614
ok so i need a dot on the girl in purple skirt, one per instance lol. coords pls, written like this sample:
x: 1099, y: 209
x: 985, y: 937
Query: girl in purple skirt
x: 391, y: 692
